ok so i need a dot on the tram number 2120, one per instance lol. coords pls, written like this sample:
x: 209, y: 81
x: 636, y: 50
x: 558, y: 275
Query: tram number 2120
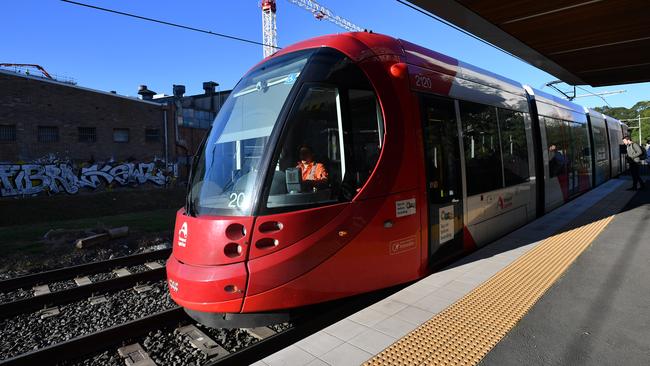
x: 422, y: 81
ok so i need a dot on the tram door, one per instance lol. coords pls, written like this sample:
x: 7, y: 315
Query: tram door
x: 443, y: 177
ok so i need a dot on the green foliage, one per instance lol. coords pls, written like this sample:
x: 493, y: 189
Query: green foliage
x: 641, y: 108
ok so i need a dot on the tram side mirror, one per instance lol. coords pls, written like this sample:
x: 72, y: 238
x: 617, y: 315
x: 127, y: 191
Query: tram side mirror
x: 293, y: 180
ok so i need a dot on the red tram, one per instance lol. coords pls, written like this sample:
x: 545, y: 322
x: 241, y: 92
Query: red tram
x: 354, y: 162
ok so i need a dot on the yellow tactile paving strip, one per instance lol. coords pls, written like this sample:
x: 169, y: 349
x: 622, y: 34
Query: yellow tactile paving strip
x: 466, y: 331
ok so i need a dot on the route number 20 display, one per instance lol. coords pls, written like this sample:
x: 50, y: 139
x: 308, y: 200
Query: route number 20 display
x: 236, y: 200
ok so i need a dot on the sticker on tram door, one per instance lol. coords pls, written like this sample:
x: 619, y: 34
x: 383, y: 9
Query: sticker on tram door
x: 446, y: 224
x: 401, y: 245
x: 405, y: 207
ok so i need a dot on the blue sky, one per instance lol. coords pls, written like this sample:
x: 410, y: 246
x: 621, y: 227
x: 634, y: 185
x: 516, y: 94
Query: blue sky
x: 110, y: 52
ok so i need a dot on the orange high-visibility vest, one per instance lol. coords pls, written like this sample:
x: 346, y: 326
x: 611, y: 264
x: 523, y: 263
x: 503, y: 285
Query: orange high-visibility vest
x: 312, y: 171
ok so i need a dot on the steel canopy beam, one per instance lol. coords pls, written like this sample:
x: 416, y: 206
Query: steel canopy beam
x: 592, y: 42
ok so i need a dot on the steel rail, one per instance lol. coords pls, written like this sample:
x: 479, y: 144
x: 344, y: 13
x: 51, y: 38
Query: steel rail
x: 76, y: 293
x: 81, y: 269
x: 98, y: 341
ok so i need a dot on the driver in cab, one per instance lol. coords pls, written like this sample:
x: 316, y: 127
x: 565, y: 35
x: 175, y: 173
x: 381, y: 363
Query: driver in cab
x: 313, y: 174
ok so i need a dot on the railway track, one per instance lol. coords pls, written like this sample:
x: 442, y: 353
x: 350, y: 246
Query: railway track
x: 163, y: 337
x: 34, y: 303
x: 82, y: 269
x: 96, y: 341
x: 38, y: 308
x: 31, y: 292
x: 185, y: 342
x: 171, y: 337
x: 32, y: 313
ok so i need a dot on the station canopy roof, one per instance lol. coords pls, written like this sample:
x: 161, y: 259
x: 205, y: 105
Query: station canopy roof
x: 597, y: 42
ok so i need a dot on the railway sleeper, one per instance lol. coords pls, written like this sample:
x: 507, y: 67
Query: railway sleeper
x: 134, y: 355
x: 121, y: 272
x: 41, y: 290
x: 203, y: 342
x: 260, y: 332
x: 97, y: 299
x: 49, y: 312
x: 153, y: 265
x: 82, y: 281
x: 139, y: 289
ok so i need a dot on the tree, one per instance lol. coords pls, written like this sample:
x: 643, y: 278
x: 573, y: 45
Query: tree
x: 630, y: 117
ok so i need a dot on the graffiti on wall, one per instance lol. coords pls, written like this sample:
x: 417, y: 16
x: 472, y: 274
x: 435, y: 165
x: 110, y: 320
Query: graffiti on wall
x: 31, y: 179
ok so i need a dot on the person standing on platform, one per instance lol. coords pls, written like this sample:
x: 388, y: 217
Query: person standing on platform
x: 635, y: 153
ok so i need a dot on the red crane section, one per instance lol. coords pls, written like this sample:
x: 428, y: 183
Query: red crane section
x: 39, y: 67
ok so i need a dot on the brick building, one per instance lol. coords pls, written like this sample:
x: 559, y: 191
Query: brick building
x: 41, y: 117
x: 56, y: 136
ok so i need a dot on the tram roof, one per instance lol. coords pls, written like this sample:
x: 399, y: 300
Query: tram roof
x: 580, y: 42
x: 361, y: 45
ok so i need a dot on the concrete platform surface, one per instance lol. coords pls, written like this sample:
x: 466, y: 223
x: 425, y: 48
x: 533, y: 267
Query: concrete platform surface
x: 366, y: 333
x: 598, y: 313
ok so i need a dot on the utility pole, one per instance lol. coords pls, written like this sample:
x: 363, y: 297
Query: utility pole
x: 638, y: 119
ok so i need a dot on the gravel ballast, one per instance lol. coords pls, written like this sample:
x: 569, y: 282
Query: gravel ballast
x: 26, y: 332
x: 169, y: 347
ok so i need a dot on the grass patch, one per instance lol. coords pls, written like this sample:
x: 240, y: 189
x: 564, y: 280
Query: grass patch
x: 25, y: 237
x: 60, y: 207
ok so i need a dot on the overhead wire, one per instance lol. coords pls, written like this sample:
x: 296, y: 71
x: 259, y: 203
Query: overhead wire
x: 594, y: 94
x: 453, y: 26
x: 223, y: 35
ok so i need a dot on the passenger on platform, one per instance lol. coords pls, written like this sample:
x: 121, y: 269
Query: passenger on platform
x: 635, y: 154
x: 314, y: 174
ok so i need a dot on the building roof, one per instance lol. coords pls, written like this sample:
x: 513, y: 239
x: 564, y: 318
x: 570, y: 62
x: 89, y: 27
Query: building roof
x: 593, y: 42
x: 68, y: 85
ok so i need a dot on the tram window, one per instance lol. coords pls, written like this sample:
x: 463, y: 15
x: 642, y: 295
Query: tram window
x: 514, y: 147
x: 441, y: 149
x: 314, y: 167
x: 367, y: 136
x: 600, y: 143
x: 557, y: 140
x: 311, y: 165
x: 581, y: 162
x: 482, y: 147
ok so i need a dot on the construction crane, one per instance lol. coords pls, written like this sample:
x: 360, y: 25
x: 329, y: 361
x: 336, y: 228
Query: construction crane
x: 39, y: 67
x: 269, y: 29
x: 320, y: 12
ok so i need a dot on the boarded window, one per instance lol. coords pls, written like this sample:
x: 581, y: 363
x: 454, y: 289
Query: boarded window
x: 120, y: 135
x: 7, y: 133
x: 48, y: 134
x: 152, y: 134
x: 87, y: 134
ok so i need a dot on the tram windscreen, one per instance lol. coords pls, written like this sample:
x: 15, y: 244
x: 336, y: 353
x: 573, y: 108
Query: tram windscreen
x: 227, y: 168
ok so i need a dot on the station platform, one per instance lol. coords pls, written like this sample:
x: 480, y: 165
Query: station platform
x: 571, y: 288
